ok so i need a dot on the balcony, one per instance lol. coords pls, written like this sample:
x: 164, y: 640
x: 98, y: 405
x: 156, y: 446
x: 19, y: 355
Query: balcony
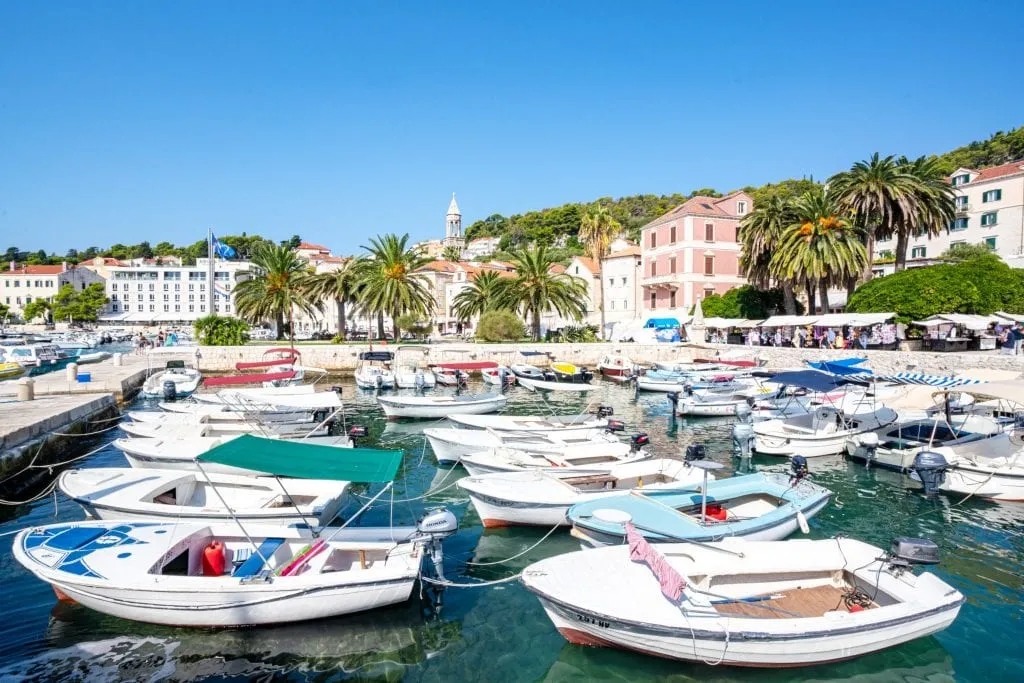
x: 962, y: 208
x: 667, y: 280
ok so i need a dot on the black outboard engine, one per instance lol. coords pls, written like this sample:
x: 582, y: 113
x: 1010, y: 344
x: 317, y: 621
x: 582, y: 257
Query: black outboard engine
x: 432, y: 528
x: 615, y: 426
x: 379, y: 381
x: 336, y: 388
x: 604, y: 411
x: 169, y: 390
x: 462, y: 378
x: 586, y: 374
x: 673, y: 398
x: 904, y: 553
x: 930, y: 468
x: 869, y: 442
x: 420, y: 382
x: 743, y: 432
x: 688, y: 389
x: 549, y: 376
x: 358, y: 432
x: 638, y: 441
x: 798, y: 469
x: 695, y: 451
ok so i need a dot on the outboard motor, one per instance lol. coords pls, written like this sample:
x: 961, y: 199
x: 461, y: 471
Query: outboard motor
x: 743, y: 432
x: 695, y: 451
x: 673, y: 399
x: 615, y: 426
x: 358, y: 432
x: 379, y: 381
x: 930, y: 468
x: 420, y: 382
x: 320, y: 415
x: 336, y: 388
x: 432, y: 528
x: 549, y: 376
x: 905, y: 553
x: 170, y: 390
x: 688, y: 389
x: 798, y: 469
x: 638, y: 441
x: 604, y: 411
x: 869, y: 442
x: 586, y: 374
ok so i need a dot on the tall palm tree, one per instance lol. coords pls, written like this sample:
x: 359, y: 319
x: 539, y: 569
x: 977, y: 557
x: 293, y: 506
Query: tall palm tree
x: 485, y: 293
x: 760, y: 232
x: 278, y: 284
x: 934, y: 204
x: 820, y: 247
x: 536, y: 289
x: 597, y: 230
x: 880, y: 194
x: 389, y: 283
x: 342, y: 285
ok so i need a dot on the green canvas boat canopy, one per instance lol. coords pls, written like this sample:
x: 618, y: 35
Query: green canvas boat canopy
x: 306, y: 461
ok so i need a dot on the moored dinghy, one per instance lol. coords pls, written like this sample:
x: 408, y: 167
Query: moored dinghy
x: 574, y: 456
x: 742, y: 603
x: 184, y: 381
x: 219, y: 575
x: 437, y: 407
x: 542, y: 497
x: 449, y: 445
x: 552, y: 424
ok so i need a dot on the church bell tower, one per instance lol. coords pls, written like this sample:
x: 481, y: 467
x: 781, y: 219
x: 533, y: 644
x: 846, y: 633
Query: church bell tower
x: 453, y: 227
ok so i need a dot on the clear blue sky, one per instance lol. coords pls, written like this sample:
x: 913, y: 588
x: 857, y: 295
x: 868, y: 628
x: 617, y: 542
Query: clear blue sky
x: 122, y: 121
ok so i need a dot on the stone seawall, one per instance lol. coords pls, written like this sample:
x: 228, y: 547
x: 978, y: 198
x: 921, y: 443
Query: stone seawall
x: 342, y: 359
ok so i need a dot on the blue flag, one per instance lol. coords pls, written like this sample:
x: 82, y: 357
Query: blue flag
x: 221, y: 249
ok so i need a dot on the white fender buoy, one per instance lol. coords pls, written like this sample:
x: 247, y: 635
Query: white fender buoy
x: 802, y: 521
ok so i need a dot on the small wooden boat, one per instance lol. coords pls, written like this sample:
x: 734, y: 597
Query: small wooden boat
x: 573, y: 456
x: 132, y: 494
x: 437, y: 407
x: 761, y: 507
x: 553, y: 424
x: 449, y: 445
x: 742, y: 603
x: 185, y: 381
x: 176, y: 431
x: 568, y: 372
x: 410, y: 372
x: 616, y: 365
x: 499, y: 376
x: 542, y: 497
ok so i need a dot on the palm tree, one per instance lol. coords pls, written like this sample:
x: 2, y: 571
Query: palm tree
x: 934, y: 204
x: 278, y: 284
x: 880, y: 194
x: 389, y: 282
x: 597, y: 230
x: 820, y: 247
x: 451, y: 253
x: 342, y: 285
x: 485, y: 293
x: 536, y: 289
x: 760, y: 232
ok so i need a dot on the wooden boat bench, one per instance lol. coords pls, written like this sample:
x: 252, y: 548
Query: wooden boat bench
x: 254, y: 564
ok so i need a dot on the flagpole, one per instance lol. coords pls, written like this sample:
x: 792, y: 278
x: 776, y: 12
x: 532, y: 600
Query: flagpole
x: 209, y: 272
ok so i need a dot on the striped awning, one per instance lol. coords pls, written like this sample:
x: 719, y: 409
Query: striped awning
x: 939, y: 381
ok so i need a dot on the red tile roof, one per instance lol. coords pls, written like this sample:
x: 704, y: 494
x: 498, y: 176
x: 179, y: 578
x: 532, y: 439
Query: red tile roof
x: 36, y: 270
x: 309, y: 246
x: 697, y: 206
x: 631, y: 250
x: 590, y: 264
x: 557, y: 268
x: 440, y: 266
x: 993, y: 172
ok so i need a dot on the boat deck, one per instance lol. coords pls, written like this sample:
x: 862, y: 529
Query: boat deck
x: 795, y: 602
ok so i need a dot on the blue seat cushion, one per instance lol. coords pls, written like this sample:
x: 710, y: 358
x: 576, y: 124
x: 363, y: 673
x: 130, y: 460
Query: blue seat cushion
x: 254, y: 565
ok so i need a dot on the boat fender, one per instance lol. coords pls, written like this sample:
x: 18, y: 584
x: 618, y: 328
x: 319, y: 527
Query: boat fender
x: 170, y: 390
x: 802, y: 521
x: 213, y: 559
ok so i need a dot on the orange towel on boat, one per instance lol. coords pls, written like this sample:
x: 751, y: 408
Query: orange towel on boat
x: 672, y: 582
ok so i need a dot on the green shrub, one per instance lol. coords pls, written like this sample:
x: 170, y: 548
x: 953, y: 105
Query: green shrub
x: 579, y: 334
x: 217, y: 330
x: 413, y: 324
x: 498, y: 326
x: 338, y: 339
x: 917, y: 293
x: 745, y: 302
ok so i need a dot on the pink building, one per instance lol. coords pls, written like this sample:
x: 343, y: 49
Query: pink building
x: 691, y: 252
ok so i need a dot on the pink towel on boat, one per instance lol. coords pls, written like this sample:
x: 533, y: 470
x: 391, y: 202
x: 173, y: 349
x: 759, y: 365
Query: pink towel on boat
x: 672, y: 582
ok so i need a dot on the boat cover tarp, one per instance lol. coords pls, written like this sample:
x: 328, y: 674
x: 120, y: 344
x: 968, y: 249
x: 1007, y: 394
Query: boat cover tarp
x: 250, y: 365
x: 1012, y: 391
x: 376, y: 355
x: 813, y: 380
x: 306, y: 461
x: 841, y: 366
x: 662, y: 323
x: 939, y: 381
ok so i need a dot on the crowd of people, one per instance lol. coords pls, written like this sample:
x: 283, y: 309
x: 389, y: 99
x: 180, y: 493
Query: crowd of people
x: 1010, y: 338
x: 847, y: 337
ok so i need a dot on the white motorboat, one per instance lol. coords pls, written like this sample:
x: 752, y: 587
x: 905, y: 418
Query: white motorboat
x: 180, y: 454
x: 216, y: 415
x: 185, y: 381
x: 542, y: 497
x: 449, y: 445
x: 176, y: 431
x: 540, y: 385
x: 710, y: 403
x: 553, y: 424
x: 449, y: 377
x: 745, y: 603
x: 84, y: 357
x: 438, y: 407
x: 410, y: 370
x: 132, y: 494
x: 374, y: 370
x: 267, y: 395
x: 822, y: 432
x: 527, y: 371
x: 499, y: 376
x: 306, y: 401
x: 581, y: 457
x: 616, y: 366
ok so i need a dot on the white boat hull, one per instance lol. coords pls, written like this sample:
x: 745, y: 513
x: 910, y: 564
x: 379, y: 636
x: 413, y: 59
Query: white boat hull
x: 450, y: 445
x: 438, y: 407
x: 708, y: 409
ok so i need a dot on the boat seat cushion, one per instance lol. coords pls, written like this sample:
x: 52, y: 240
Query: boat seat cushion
x: 254, y: 565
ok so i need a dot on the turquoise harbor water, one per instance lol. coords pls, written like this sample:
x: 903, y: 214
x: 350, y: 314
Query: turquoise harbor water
x: 500, y: 633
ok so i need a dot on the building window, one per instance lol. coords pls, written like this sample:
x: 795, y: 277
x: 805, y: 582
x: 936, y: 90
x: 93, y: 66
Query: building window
x: 166, y: 286
x: 113, y: 287
x: 708, y: 291
x: 623, y: 281
x: 177, y: 308
x: 654, y: 300
x: 611, y: 282
x: 577, y: 271
x: 992, y: 196
x: 741, y: 208
x: 990, y: 242
x: 962, y: 179
x: 918, y: 252
x: 961, y: 203
x: 672, y: 299
x: 672, y: 235
x: 191, y: 308
x: 152, y: 308
x: 672, y: 264
x: 113, y: 307
x: 654, y: 268
x: 958, y: 224
x: 957, y: 243
x: 166, y: 308
x: 613, y: 304
x: 709, y: 265
x: 988, y: 219
x: 654, y: 240
x: 709, y: 232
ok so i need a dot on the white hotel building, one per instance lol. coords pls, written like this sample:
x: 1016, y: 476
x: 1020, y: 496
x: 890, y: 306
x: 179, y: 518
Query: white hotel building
x: 989, y: 210
x: 169, y: 294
